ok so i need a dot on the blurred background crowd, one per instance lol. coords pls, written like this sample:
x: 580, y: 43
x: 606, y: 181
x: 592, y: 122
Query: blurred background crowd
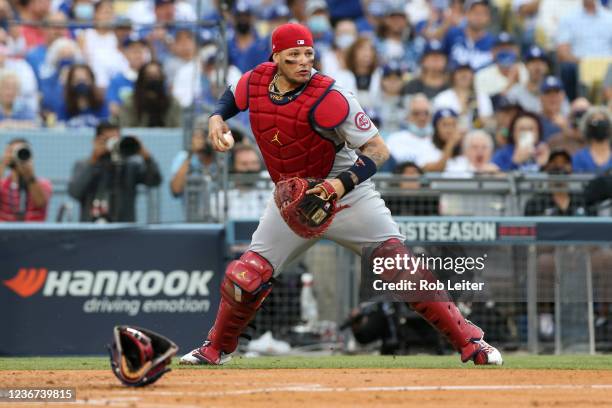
x: 456, y: 86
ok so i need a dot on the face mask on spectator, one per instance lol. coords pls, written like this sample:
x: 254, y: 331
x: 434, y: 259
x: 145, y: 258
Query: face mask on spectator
x: 84, y: 11
x: 506, y: 58
x: 343, y: 41
x: 81, y: 88
x: 575, y: 118
x: 154, y: 85
x: 318, y: 24
x: 243, y: 27
x: 418, y: 131
x: 598, y: 130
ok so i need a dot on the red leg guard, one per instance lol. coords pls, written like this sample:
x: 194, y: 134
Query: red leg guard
x: 245, y: 286
x: 437, y: 308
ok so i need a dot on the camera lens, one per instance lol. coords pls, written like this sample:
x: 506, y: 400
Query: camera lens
x: 23, y: 154
x: 128, y: 146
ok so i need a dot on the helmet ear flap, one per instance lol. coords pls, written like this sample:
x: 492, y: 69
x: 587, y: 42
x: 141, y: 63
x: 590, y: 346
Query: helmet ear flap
x: 140, y: 356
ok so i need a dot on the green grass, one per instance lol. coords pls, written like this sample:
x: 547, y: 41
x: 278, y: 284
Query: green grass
x: 576, y: 362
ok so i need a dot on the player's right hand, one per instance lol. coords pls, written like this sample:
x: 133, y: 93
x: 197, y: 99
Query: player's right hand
x: 216, y: 128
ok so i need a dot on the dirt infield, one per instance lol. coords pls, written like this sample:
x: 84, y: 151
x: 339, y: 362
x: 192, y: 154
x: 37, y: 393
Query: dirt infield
x: 332, y: 387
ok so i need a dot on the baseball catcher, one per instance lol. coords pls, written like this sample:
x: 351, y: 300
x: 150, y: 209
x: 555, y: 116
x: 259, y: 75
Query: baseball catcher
x: 139, y: 356
x: 321, y: 150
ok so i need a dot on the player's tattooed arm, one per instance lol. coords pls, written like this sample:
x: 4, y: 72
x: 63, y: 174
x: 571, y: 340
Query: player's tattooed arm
x: 376, y: 149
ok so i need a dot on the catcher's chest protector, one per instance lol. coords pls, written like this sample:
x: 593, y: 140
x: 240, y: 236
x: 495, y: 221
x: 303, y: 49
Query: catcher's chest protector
x: 285, y: 133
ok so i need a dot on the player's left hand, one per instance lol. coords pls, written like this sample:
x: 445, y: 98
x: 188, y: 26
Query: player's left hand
x: 321, y: 192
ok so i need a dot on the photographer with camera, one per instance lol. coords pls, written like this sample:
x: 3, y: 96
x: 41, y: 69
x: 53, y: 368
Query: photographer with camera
x: 105, y: 183
x: 199, y: 159
x: 23, y: 196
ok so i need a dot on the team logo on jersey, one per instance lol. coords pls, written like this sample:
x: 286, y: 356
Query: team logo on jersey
x: 362, y: 121
x: 275, y: 139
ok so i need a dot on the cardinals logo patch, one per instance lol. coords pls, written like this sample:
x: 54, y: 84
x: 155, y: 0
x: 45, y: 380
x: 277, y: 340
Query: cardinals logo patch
x: 362, y: 121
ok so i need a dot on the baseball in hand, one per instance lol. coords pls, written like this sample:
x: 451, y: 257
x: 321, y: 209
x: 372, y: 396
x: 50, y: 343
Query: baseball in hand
x: 228, y: 139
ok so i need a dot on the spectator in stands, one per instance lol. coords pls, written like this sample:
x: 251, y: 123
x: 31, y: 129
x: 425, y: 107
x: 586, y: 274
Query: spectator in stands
x: 13, y: 114
x: 506, y: 72
x: 586, y: 33
x: 597, y: 156
x: 279, y: 14
x: 572, y: 138
x: 137, y: 53
x: 403, y: 204
x: 395, y: 41
x: 557, y: 203
x: 183, y: 50
x: 298, y: 10
x: 100, y: 46
x: 390, y: 106
x: 36, y: 56
x: 245, y: 48
x: 83, y: 104
x: 505, y: 111
x: 552, y: 98
x: 432, y: 78
x: 149, y: 11
x: 528, y: 94
x: 362, y: 61
x: 442, y: 17
x: 28, y: 89
x: 477, y: 151
x: 151, y: 104
x: 333, y: 60
x: 199, y: 159
x: 446, y: 140
x: 246, y: 200
x: 23, y: 195
x: 317, y: 20
x: 123, y: 29
x: 201, y: 87
x: 414, y: 142
x: 472, y: 44
x: 166, y: 14
x: 525, y: 150
x: 418, y: 120
x: 475, y: 109
x: 105, y: 184
x: 62, y: 54
x: 549, y: 14
x: 525, y: 12
x: 35, y: 11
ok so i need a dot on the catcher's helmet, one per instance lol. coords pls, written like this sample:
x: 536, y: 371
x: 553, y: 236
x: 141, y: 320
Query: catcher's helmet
x: 139, y: 356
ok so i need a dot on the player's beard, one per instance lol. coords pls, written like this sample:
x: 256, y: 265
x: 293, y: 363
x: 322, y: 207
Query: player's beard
x: 290, y: 70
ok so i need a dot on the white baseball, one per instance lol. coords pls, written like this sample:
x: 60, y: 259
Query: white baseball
x: 228, y: 139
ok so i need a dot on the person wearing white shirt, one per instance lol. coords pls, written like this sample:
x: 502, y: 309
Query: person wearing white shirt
x: 505, y: 72
x: 414, y: 144
x: 474, y: 109
x: 28, y: 90
x: 100, y: 45
x: 143, y: 12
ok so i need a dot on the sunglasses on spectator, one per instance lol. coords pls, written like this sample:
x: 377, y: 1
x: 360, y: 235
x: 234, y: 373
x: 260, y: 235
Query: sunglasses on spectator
x: 420, y: 113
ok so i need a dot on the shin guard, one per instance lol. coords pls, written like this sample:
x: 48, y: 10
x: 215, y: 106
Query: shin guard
x: 437, y: 307
x: 244, y: 288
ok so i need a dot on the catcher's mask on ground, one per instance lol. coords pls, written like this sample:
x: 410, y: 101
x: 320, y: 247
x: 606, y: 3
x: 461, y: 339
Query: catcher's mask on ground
x: 139, y: 356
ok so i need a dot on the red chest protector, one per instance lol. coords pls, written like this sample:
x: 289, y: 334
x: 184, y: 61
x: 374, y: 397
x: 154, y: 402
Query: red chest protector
x: 285, y: 132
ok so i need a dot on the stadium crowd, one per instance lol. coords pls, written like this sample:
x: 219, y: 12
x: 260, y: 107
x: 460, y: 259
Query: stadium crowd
x: 459, y: 86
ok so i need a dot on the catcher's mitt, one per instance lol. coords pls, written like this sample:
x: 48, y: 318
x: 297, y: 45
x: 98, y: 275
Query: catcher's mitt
x: 308, y: 215
x: 139, y: 356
